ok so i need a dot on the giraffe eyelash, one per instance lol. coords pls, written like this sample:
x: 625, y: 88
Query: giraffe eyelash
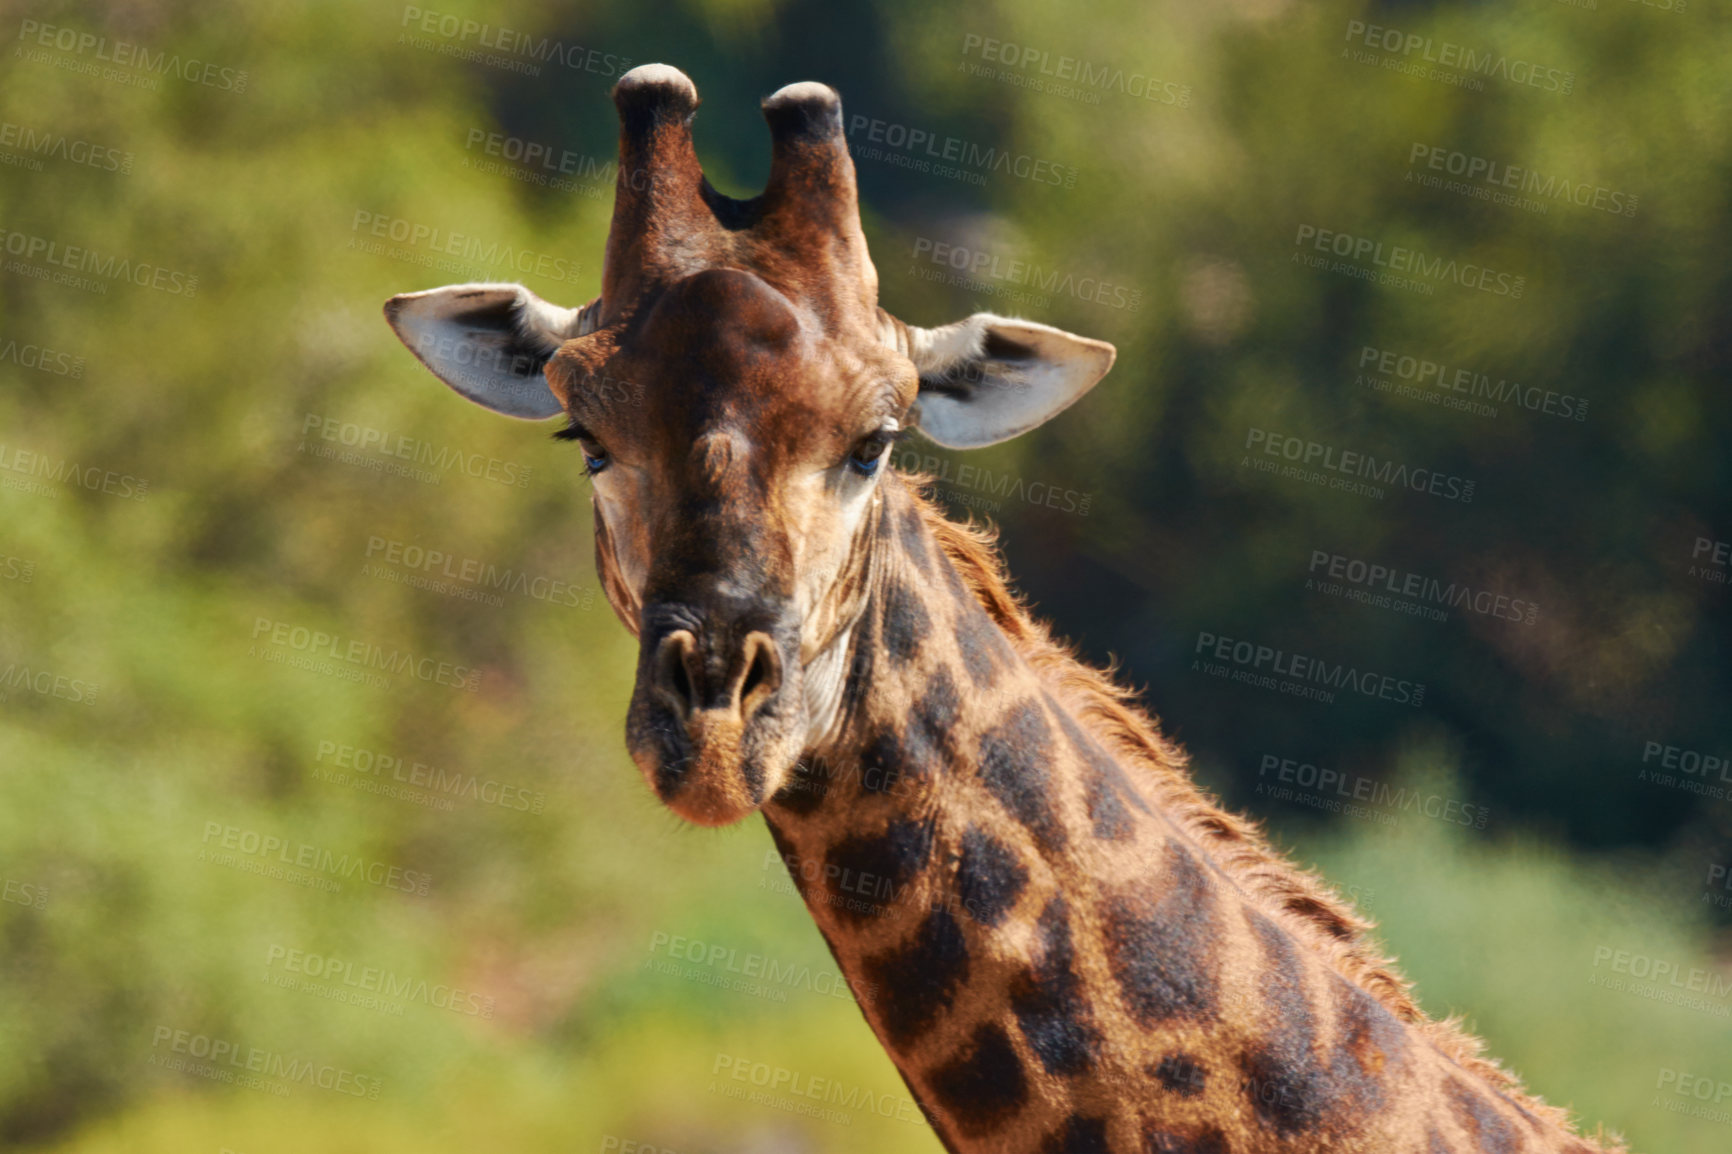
x: 593, y: 462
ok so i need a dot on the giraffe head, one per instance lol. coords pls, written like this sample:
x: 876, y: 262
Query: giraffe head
x: 734, y: 391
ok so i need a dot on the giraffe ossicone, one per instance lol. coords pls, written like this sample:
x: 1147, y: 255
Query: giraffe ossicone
x: 1068, y: 946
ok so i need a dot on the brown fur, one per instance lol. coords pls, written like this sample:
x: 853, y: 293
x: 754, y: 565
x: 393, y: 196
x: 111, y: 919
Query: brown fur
x: 1303, y: 901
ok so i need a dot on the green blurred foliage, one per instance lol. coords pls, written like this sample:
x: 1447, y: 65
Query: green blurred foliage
x: 166, y: 604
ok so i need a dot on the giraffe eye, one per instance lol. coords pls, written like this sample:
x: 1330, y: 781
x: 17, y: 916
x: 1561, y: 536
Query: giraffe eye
x: 595, y: 458
x: 868, y: 455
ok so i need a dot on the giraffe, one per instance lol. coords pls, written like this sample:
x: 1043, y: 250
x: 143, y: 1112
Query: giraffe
x: 1074, y: 948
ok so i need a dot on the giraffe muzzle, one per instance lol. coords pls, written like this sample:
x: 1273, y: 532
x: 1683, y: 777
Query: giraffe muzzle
x: 714, y: 724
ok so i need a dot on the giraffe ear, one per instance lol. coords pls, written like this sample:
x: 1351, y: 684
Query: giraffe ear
x: 987, y: 379
x: 488, y: 341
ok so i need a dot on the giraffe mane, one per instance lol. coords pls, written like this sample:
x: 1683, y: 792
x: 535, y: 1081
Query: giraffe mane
x: 1299, y: 898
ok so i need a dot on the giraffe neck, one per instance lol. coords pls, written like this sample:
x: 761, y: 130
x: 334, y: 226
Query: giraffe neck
x: 1049, y: 959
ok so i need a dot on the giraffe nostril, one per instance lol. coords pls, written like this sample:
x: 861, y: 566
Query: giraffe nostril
x: 672, y: 674
x: 763, y: 674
